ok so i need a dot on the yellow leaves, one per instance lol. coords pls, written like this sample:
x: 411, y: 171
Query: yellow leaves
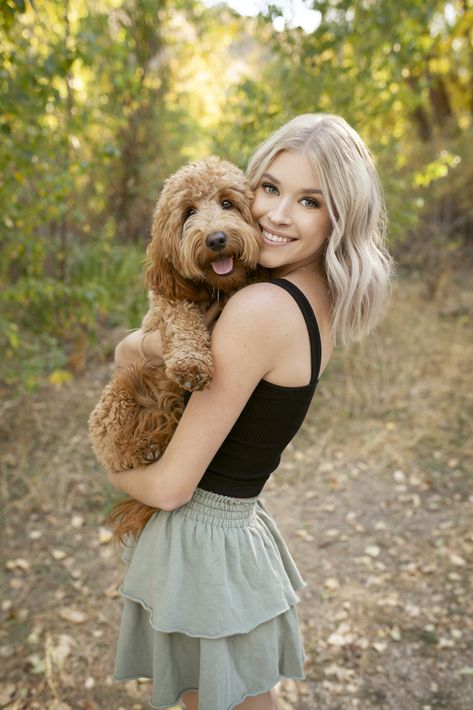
x: 59, y: 377
x: 440, y: 65
x: 436, y: 170
x: 105, y: 536
x: 12, y: 335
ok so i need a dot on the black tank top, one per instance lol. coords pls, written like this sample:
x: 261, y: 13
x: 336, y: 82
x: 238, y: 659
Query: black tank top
x: 270, y: 419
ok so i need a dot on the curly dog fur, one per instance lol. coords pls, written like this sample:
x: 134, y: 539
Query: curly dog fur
x: 204, y: 242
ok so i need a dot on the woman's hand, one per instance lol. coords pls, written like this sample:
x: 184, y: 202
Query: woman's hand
x: 138, y: 348
x: 211, y: 315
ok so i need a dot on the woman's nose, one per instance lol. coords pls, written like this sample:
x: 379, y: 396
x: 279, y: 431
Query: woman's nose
x: 280, y: 214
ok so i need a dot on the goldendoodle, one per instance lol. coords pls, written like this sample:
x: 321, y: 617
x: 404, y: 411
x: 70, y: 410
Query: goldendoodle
x: 204, y: 245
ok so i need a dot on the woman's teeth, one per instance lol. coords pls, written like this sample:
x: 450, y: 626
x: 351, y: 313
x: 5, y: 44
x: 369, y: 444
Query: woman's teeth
x: 275, y: 238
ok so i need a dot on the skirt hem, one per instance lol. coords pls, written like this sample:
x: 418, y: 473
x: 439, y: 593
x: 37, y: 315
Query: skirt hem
x: 232, y: 705
x: 200, y: 634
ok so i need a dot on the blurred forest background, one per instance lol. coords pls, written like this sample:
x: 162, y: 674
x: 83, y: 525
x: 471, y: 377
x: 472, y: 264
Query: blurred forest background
x: 101, y: 101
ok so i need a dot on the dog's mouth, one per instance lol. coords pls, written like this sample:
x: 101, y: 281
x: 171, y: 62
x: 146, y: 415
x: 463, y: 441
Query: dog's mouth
x: 223, y: 265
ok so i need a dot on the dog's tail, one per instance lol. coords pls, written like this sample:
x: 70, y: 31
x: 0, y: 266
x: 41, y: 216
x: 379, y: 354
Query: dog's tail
x: 127, y: 519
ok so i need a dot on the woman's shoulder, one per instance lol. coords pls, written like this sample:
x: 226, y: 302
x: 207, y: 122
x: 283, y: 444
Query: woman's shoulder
x: 271, y: 304
x: 268, y: 300
x: 252, y: 312
x: 263, y: 297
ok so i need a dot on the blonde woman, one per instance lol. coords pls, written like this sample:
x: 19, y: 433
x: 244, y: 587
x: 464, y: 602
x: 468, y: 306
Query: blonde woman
x: 211, y: 591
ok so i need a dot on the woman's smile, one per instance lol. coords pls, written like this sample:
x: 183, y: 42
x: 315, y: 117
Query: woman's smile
x: 275, y: 238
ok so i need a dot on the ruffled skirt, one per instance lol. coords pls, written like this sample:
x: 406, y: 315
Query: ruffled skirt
x: 209, y: 604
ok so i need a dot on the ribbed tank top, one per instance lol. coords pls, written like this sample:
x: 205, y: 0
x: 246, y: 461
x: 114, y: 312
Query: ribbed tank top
x: 270, y: 419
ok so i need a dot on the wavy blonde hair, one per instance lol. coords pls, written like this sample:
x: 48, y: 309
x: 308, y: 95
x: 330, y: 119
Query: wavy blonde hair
x: 356, y: 262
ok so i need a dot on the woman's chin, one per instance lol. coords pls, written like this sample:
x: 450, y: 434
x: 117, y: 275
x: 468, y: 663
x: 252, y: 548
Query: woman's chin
x: 271, y: 260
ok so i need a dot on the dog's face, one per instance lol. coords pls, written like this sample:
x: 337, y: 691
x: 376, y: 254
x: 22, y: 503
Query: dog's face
x: 203, y: 231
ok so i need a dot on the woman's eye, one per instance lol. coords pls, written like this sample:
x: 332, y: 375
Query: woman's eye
x: 191, y: 211
x: 268, y: 187
x: 307, y: 202
x: 227, y: 205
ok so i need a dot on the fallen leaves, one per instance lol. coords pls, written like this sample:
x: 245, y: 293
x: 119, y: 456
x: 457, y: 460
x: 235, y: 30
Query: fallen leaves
x: 77, y: 521
x: 105, y: 535
x: 61, y: 649
x: 72, y: 615
x: 7, y: 693
x: 394, y: 599
x: 20, y: 563
x: 332, y: 583
x: 457, y: 560
x: 372, y: 550
x: 300, y: 532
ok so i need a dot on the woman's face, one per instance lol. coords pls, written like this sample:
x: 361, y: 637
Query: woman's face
x: 291, y: 212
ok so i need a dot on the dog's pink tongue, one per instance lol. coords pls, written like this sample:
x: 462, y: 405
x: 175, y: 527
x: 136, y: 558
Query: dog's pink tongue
x: 223, y: 265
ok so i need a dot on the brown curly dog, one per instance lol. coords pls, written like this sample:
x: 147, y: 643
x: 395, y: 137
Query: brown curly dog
x: 204, y: 245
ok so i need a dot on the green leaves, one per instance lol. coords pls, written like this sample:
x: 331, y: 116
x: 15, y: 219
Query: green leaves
x: 102, y: 101
x: 9, y: 9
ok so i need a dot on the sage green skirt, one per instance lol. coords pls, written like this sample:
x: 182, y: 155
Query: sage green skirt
x: 209, y: 604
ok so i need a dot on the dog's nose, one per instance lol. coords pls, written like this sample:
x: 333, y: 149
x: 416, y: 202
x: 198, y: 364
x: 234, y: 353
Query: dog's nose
x: 216, y: 241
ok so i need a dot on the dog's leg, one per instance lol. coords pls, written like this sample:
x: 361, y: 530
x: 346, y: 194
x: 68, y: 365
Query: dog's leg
x: 135, y: 418
x: 185, y: 340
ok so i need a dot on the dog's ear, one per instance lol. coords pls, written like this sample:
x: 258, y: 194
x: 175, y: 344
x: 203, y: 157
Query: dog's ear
x: 244, y: 204
x: 161, y: 274
x: 162, y: 265
x: 162, y: 277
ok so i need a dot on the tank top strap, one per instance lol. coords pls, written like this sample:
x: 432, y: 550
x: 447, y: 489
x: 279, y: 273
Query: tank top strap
x: 311, y: 323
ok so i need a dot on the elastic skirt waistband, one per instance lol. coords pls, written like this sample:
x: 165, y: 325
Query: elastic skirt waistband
x: 215, y: 509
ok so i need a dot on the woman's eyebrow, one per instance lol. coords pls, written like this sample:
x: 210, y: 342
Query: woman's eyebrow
x: 306, y: 191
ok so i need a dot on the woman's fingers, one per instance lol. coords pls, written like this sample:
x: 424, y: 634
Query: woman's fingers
x: 139, y: 346
x: 211, y: 314
x: 151, y: 348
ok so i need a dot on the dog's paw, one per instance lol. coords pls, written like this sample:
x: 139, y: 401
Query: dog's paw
x: 191, y: 373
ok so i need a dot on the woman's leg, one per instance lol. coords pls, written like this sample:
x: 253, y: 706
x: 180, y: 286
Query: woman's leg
x: 265, y: 701
x: 191, y: 700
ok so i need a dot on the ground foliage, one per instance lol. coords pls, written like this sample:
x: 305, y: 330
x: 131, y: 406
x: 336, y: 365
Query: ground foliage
x: 374, y: 497
x: 101, y: 101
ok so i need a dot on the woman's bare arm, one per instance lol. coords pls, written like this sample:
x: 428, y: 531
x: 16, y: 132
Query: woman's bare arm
x: 244, y: 345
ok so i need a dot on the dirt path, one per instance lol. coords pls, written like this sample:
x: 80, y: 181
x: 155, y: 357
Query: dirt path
x: 374, y: 498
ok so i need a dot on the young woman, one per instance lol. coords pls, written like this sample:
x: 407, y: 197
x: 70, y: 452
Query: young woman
x: 211, y: 589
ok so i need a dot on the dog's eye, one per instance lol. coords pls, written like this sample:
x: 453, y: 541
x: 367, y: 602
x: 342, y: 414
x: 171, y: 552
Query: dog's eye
x: 191, y: 211
x: 227, y: 205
